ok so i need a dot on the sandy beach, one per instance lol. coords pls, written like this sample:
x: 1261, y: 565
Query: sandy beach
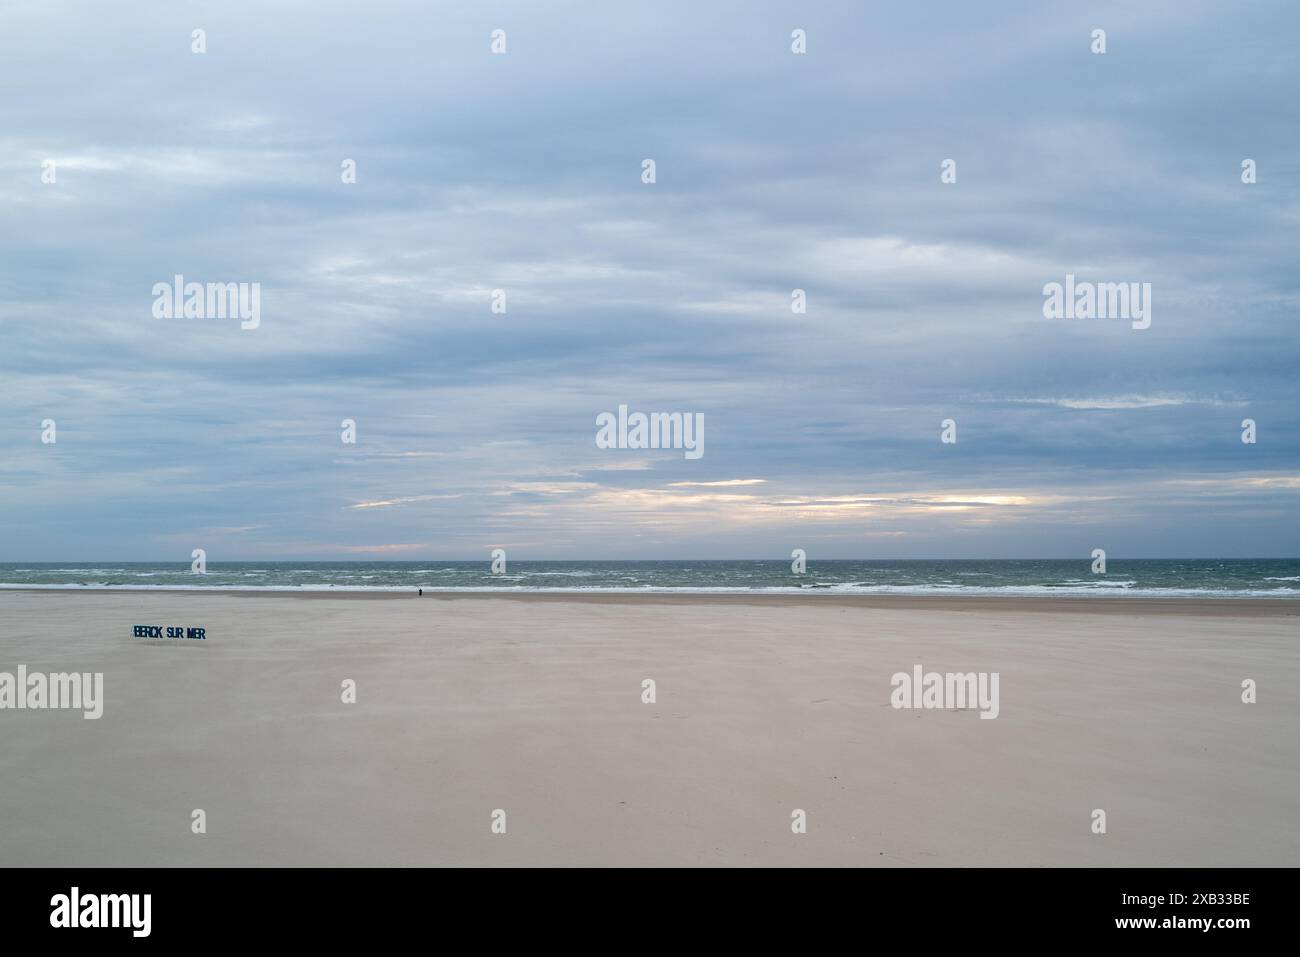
x: 764, y: 705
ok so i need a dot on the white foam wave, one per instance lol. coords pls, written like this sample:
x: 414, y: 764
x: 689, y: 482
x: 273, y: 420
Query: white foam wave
x: 974, y: 591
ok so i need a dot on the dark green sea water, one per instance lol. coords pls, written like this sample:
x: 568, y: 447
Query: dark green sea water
x: 1181, y: 577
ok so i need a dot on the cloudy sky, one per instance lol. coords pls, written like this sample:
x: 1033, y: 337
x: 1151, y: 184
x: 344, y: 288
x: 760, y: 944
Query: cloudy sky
x: 522, y: 172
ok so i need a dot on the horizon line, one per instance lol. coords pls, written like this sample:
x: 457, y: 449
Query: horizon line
x: 416, y: 561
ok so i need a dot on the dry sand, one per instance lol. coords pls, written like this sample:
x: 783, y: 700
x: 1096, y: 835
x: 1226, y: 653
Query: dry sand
x: 533, y: 705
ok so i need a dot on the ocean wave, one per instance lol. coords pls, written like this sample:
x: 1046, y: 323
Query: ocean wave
x: 837, y: 589
x: 559, y: 574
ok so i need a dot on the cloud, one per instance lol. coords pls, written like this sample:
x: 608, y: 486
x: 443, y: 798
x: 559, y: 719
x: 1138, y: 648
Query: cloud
x: 1130, y: 402
x: 724, y: 483
x: 522, y: 173
x: 385, y: 503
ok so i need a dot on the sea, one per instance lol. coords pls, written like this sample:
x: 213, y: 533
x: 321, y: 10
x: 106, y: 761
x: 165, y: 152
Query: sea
x: 1183, y: 578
